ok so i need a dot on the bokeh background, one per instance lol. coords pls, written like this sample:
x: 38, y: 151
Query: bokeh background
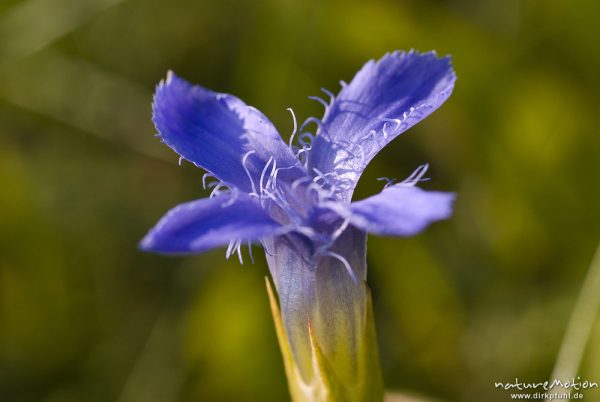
x: 484, y: 297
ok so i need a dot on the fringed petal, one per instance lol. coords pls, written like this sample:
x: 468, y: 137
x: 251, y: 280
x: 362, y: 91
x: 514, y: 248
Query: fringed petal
x: 385, y: 98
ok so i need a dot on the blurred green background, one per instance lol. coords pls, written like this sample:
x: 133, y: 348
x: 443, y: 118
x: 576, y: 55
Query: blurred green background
x: 484, y: 297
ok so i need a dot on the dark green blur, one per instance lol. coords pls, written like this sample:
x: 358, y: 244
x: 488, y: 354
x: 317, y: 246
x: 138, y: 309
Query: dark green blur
x: 484, y: 297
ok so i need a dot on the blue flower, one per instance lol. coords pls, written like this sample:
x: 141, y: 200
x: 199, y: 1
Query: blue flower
x: 296, y: 199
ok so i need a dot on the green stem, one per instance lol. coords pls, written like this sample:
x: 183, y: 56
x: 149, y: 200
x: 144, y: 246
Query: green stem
x: 580, y: 324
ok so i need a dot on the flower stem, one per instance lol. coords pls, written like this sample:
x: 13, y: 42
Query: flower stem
x: 580, y: 324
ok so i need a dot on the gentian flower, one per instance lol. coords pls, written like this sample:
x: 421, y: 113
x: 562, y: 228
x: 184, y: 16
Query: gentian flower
x: 296, y: 201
